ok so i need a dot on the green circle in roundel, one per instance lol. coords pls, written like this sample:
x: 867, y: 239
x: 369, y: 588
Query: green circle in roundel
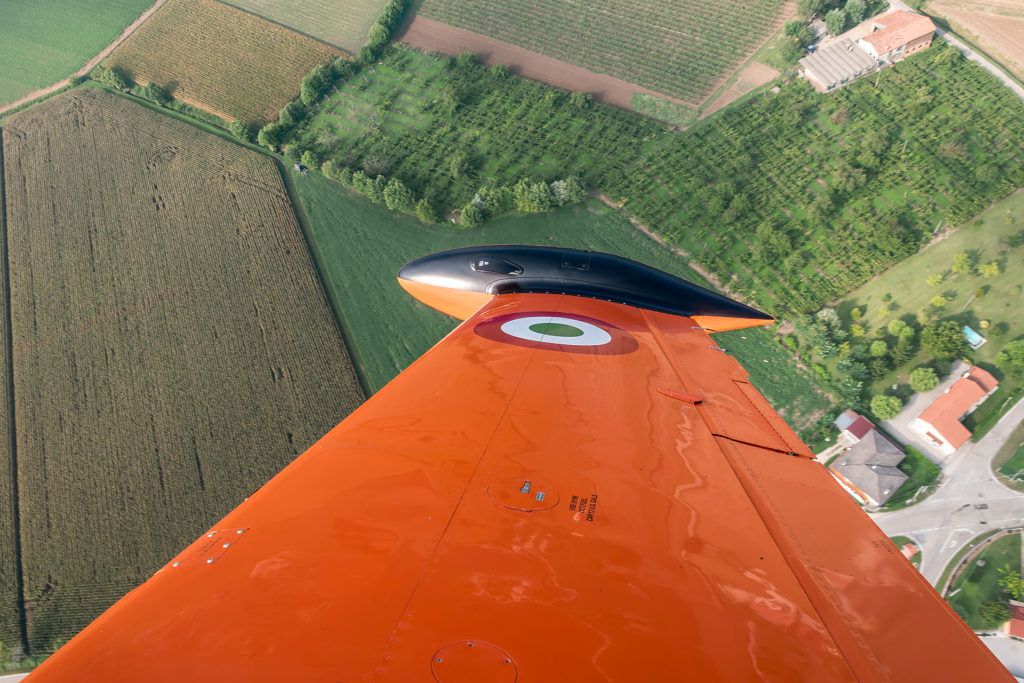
x: 556, y: 330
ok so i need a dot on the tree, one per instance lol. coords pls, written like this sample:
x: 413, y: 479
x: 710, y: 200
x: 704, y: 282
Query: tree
x: 934, y: 280
x: 581, y: 100
x: 943, y: 340
x: 378, y: 35
x: 155, y: 93
x: 425, y: 211
x: 316, y: 83
x: 886, y: 407
x: 115, y: 78
x: 835, y: 21
x: 242, y: 130
x: 472, y: 216
x: 290, y: 114
x: 961, y: 262
x: 269, y: 135
x: 1015, y: 352
x: 855, y: 10
x: 309, y: 159
x: 398, y: 197
x: 879, y: 348
x: 895, y: 327
x: 856, y: 314
x: 1010, y: 581
x: 923, y: 379
x: 574, y: 190
x: 988, y: 269
x: 938, y: 301
x: 904, y: 349
x: 994, y: 613
x: 458, y: 165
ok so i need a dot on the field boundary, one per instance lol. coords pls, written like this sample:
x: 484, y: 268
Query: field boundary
x: 11, y: 435
x: 91, y: 63
x: 289, y: 28
x: 433, y: 36
x: 321, y: 270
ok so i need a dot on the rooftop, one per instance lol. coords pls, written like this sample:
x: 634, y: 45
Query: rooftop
x: 838, y: 62
x: 898, y: 28
x: 945, y: 412
x: 871, y: 465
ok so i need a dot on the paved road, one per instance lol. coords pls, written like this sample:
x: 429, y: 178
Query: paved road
x: 943, y: 523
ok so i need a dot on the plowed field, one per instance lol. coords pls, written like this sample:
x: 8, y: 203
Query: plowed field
x: 172, y: 346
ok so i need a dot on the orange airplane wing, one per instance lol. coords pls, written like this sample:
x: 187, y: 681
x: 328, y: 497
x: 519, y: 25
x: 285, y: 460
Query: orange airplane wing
x: 576, y: 484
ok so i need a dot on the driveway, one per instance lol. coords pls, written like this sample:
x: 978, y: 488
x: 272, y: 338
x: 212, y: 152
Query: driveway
x: 899, y: 426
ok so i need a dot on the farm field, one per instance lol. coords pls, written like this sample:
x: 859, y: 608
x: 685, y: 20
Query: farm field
x: 680, y: 48
x: 362, y: 246
x: 172, y: 351
x: 11, y: 635
x: 42, y: 42
x: 342, y: 24
x: 221, y: 59
x: 996, y: 26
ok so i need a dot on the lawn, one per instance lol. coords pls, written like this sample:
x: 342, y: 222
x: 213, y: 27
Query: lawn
x: 44, y: 41
x: 921, y: 472
x: 362, y: 246
x: 1008, y: 464
x: 978, y: 580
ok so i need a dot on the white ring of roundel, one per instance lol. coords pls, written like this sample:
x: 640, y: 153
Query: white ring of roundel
x: 592, y: 334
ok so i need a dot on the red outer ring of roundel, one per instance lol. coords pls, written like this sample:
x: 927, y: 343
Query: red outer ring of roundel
x: 622, y: 342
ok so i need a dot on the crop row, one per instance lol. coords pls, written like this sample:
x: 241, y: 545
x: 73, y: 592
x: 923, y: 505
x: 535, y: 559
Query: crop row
x: 335, y: 22
x: 678, y: 48
x: 219, y: 58
x: 173, y: 348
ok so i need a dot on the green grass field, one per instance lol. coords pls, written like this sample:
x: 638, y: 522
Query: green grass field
x: 363, y: 245
x: 977, y: 581
x: 1008, y: 464
x: 681, y: 48
x: 342, y: 24
x: 921, y: 472
x: 44, y: 41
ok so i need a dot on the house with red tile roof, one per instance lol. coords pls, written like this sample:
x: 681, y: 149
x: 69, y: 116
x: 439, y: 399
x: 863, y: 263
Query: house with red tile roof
x: 940, y: 422
x: 897, y: 34
x: 1015, y: 626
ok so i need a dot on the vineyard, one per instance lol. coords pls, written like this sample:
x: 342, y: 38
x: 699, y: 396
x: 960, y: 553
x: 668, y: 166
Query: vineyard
x: 681, y: 48
x: 44, y: 41
x: 172, y: 346
x: 342, y: 24
x: 218, y: 58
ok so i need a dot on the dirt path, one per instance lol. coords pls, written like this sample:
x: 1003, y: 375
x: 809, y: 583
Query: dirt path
x: 433, y: 36
x: 708, y: 276
x: 91, y: 63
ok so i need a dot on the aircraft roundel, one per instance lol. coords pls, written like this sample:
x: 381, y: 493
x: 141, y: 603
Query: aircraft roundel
x: 560, y: 331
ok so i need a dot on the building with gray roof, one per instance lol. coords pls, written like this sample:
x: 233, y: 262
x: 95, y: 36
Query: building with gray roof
x: 836, y: 64
x: 870, y: 469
